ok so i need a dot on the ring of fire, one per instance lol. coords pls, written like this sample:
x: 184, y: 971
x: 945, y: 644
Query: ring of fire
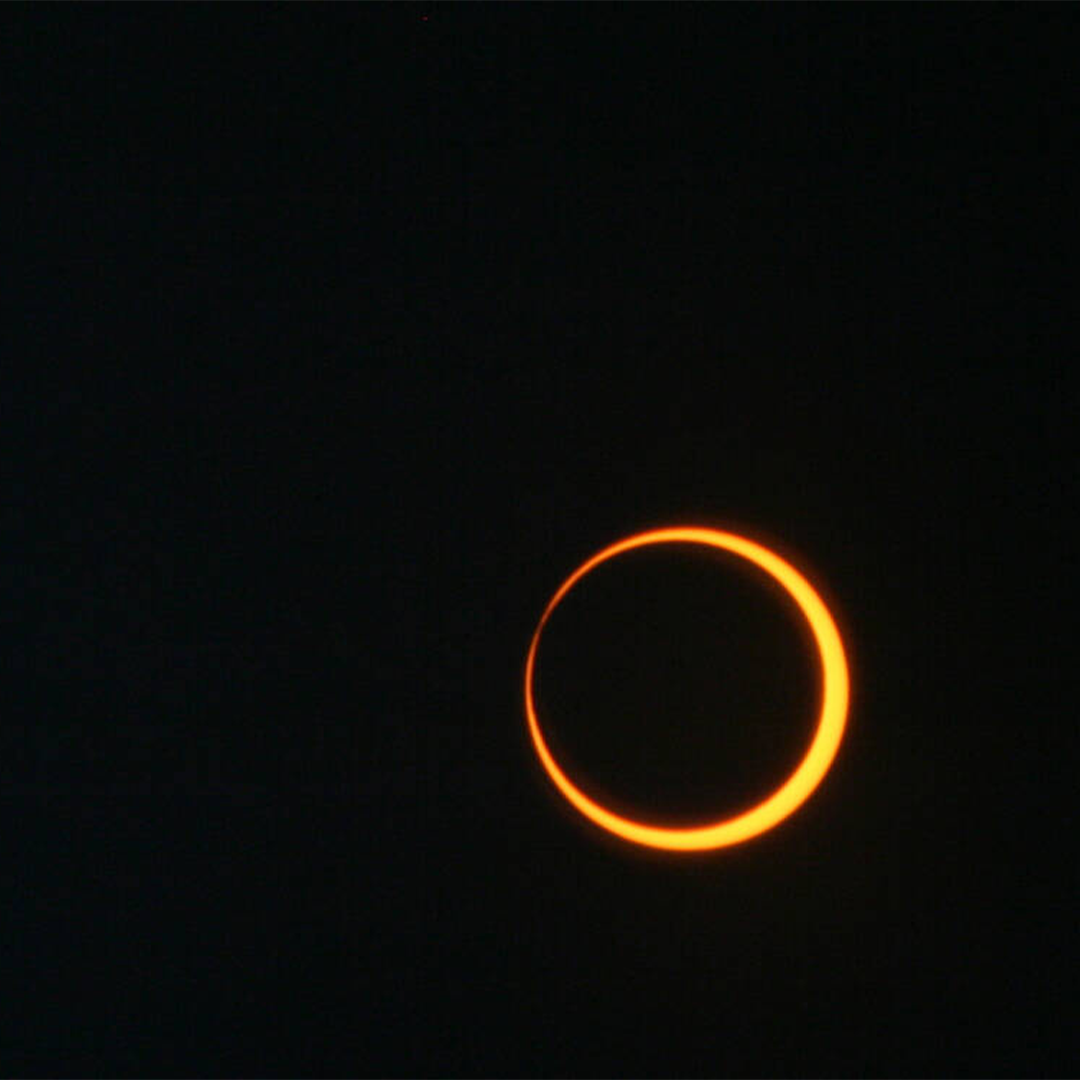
x: 810, y: 771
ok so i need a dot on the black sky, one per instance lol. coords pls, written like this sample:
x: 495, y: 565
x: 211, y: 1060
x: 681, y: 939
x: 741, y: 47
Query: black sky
x: 339, y: 336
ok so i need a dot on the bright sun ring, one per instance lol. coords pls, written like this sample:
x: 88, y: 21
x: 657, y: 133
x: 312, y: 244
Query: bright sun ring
x: 830, y: 728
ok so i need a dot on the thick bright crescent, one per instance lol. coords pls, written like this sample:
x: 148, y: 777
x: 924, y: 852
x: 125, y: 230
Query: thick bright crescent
x: 806, y: 777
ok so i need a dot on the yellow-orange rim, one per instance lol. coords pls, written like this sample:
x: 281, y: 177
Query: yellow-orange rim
x: 813, y: 767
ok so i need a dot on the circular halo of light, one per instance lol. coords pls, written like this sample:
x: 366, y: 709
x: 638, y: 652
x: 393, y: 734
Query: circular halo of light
x: 810, y: 771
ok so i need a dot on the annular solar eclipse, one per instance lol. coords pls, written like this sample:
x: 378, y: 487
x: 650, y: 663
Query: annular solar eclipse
x: 828, y: 733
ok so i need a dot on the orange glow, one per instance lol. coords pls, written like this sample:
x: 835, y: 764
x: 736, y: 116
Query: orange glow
x: 830, y: 729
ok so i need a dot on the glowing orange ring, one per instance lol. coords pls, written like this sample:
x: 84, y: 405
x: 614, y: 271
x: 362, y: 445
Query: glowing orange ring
x: 830, y: 729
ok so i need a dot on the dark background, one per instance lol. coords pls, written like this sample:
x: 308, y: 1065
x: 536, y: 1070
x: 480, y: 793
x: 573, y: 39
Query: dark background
x: 337, y: 338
